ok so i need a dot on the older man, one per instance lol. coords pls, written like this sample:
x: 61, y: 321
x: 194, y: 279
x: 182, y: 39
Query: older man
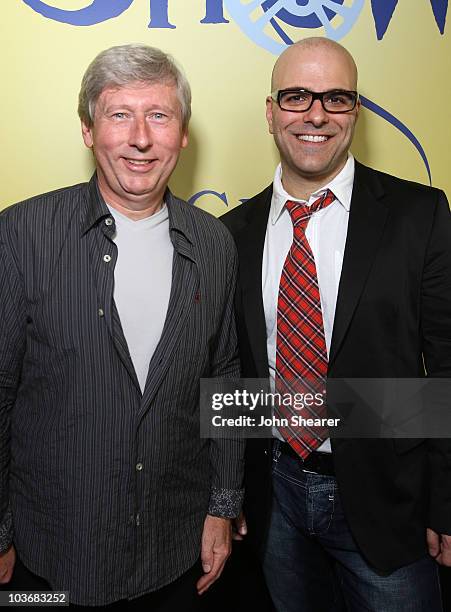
x: 116, y: 298
x: 344, y: 272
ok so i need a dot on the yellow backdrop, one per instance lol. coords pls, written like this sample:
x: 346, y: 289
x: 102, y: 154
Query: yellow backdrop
x: 406, y: 72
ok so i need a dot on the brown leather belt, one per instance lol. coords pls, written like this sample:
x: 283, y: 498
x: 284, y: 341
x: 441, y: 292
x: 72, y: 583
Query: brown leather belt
x: 319, y: 463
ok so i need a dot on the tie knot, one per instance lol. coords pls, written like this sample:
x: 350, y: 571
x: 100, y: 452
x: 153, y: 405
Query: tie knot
x: 301, y: 213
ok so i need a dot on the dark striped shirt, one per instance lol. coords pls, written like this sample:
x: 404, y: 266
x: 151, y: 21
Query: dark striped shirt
x: 107, y: 487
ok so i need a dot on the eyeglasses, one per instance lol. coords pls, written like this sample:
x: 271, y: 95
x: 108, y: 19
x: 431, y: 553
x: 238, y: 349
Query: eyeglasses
x: 298, y: 100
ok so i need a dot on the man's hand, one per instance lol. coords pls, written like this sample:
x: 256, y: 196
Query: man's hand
x: 7, y: 561
x: 239, y: 527
x: 216, y: 548
x: 439, y: 546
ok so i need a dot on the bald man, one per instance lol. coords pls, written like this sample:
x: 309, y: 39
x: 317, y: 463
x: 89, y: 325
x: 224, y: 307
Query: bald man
x: 345, y: 272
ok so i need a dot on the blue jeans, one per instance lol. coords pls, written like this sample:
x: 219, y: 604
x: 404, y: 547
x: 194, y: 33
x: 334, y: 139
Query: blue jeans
x: 312, y: 563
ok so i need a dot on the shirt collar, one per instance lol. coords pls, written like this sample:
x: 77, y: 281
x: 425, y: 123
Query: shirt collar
x: 96, y: 209
x: 341, y: 186
x: 178, y: 219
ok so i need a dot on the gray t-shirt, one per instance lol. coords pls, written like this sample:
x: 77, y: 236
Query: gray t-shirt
x: 142, y: 283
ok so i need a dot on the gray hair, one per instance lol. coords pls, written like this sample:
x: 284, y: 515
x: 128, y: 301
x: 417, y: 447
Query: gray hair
x: 122, y: 65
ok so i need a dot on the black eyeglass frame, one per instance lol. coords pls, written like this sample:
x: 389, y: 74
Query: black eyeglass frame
x: 316, y: 95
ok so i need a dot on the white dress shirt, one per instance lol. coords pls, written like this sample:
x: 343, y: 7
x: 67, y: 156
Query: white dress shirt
x: 326, y: 234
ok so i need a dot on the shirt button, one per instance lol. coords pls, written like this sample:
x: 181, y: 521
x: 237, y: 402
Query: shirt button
x: 139, y: 466
x: 100, y: 311
x: 108, y: 221
x: 106, y: 258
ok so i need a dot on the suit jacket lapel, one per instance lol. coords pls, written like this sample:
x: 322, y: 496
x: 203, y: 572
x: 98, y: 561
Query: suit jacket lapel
x: 367, y: 218
x: 250, y: 244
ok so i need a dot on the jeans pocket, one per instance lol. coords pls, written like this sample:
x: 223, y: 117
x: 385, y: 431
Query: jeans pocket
x: 321, y: 506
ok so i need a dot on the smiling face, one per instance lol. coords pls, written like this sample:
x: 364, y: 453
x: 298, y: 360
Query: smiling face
x: 314, y: 144
x: 136, y: 138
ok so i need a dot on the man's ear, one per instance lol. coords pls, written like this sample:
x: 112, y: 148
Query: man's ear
x: 357, y: 108
x: 185, y: 139
x: 269, y: 107
x: 87, y: 135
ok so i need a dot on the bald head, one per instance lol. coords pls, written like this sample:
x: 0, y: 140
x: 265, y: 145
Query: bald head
x: 313, y: 143
x: 322, y: 50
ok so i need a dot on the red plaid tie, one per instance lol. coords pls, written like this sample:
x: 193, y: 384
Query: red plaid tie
x: 301, y: 356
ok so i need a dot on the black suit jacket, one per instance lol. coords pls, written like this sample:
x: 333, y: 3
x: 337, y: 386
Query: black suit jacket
x: 393, y: 310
